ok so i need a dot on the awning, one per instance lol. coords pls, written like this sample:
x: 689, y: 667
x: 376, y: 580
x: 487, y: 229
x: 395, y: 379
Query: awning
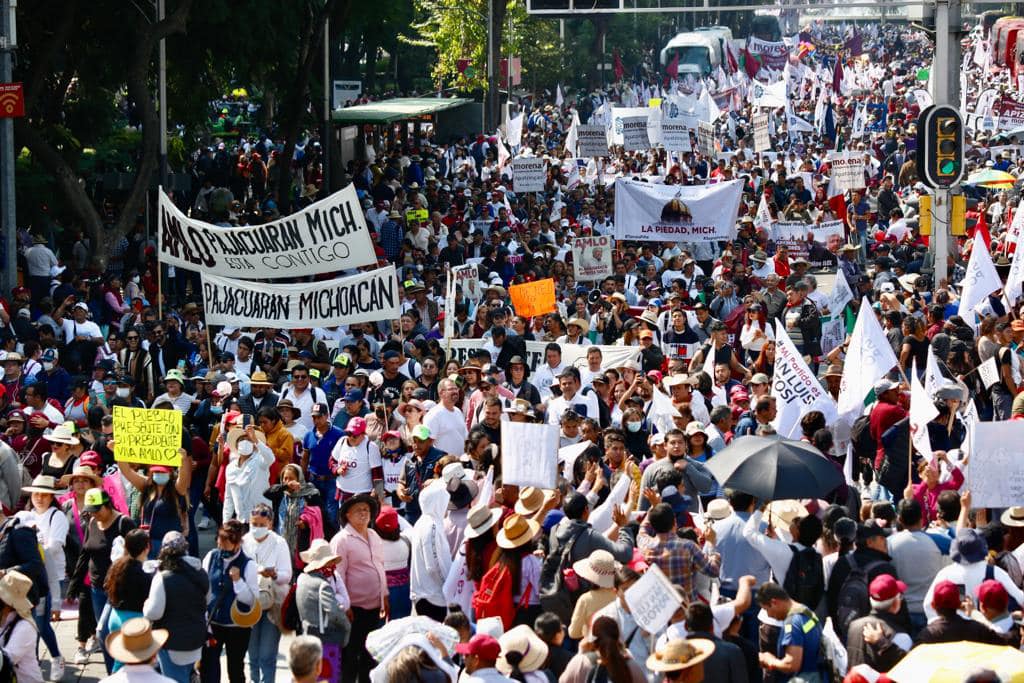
x: 397, y: 109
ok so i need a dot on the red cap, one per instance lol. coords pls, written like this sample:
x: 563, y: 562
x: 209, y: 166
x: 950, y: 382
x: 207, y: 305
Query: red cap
x: 356, y: 426
x: 90, y: 459
x: 992, y: 594
x: 886, y: 587
x: 482, y: 645
x: 153, y: 469
x: 946, y: 595
x: 387, y: 520
x: 654, y: 375
x: 393, y: 434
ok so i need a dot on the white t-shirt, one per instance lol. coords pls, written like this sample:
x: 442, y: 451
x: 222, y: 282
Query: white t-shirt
x: 71, y: 329
x: 360, y: 460
x: 584, y: 404
x: 447, y: 428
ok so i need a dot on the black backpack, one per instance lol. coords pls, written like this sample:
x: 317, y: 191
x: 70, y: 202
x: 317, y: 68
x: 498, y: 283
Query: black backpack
x: 864, y: 445
x: 805, y: 578
x: 8, y: 674
x: 854, y: 601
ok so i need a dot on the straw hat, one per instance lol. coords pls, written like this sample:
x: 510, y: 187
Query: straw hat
x: 786, y: 510
x: 260, y: 378
x: 679, y: 654
x: 649, y: 316
x: 80, y: 472
x: 137, y: 641
x: 580, y: 323
x: 480, y: 519
x: 532, y: 500
x: 62, y: 434
x: 834, y: 370
x: 318, y: 555
x: 246, y: 619
x: 523, y: 640
x: 237, y: 433
x: 43, y: 483
x: 14, y: 588
x: 718, y: 509
x: 1013, y: 516
x: 598, y: 568
x: 516, y: 531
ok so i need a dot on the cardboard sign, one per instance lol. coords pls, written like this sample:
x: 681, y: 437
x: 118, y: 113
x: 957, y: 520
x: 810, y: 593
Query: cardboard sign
x: 706, y: 139
x: 467, y: 278
x: 996, y: 474
x: 147, y: 436
x: 652, y: 600
x: 591, y: 141
x: 529, y: 454
x: 634, y: 133
x: 833, y: 333
x: 533, y: 298
x: 762, y: 141
x: 528, y: 174
x: 592, y: 257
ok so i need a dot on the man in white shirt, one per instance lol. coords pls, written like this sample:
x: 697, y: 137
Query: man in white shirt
x: 545, y: 375
x: 78, y: 327
x: 302, y: 395
x: 584, y: 405
x: 446, y: 422
x: 356, y: 462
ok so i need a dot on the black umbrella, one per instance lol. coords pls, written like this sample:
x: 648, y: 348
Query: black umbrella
x: 773, y: 468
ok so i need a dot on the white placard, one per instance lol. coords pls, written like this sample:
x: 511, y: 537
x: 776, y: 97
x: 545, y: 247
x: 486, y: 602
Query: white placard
x: 762, y: 141
x: 467, y: 278
x: 651, y: 114
x: 995, y: 477
x: 529, y: 454
x: 847, y: 171
x: 327, y: 236
x: 345, y: 92
x: 528, y: 174
x: 591, y: 141
x: 367, y: 297
x: 706, y: 139
x: 634, y: 133
x: 652, y: 600
x: 795, y: 388
x: 675, y: 134
x: 686, y: 213
x: 833, y: 333
x: 988, y: 372
x: 572, y: 354
x: 592, y: 257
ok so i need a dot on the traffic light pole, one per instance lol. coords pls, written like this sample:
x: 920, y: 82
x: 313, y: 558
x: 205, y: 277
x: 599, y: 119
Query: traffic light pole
x: 945, y: 82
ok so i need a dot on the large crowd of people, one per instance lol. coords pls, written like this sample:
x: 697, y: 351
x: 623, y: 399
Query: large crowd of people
x: 354, y: 474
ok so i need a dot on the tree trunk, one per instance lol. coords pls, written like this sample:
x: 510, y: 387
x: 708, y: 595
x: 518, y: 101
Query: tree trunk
x: 293, y: 108
x: 370, y: 79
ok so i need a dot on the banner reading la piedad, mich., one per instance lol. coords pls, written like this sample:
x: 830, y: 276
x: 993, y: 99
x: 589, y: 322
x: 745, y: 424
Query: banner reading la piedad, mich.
x: 325, y: 237
x: 668, y: 213
x: 366, y: 297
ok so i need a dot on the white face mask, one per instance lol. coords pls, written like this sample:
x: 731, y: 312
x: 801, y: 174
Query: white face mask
x: 245, y: 447
x: 259, y: 532
x: 47, y: 366
x: 123, y: 392
x: 135, y: 280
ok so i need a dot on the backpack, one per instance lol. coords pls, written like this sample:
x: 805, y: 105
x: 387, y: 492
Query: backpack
x: 494, y: 597
x: 854, y: 601
x: 598, y: 674
x: 561, y: 598
x: 805, y: 578
x: 864, y: 445
x: 290, y: 621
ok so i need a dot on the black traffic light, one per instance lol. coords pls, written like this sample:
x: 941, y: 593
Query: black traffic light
x: 940, y: 152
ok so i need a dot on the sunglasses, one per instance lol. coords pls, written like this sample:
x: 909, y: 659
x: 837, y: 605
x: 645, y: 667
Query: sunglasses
x: 300, y: 376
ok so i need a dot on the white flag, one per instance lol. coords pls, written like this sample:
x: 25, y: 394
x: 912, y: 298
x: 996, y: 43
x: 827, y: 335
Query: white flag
x: 922, y: 411
x: 989, y: 372
x: 1015, y: 278
x: 869, y: 357
x: 795, y: 388
x: 860, y: 121
x: 515, y: 130
x: 933, y: 378
x: 771, y: 96
x: 503, y: 154
x: 558, y: 96
x: 841, y: 294
x: 980, y: 280
x: 571, y: 136
x: 709, y: 109
x: 662, y: 412
x: 763, y: 219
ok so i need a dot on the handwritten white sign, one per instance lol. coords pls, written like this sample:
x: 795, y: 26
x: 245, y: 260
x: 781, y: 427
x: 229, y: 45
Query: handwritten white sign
x: 996, y: 473
x: 652, y: 600
x: 529, y: 454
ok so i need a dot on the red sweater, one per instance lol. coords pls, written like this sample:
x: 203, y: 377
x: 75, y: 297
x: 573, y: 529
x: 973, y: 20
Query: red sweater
x: 883, y: 416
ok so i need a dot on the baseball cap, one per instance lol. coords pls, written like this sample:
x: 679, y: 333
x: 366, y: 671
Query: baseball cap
x: 886, y: 587
x: 356, y: 426
x: 759, y: 378
x: 946, y: 595
x: 95, y: 499
x: 868, y: 531
x: 883, y: 385
x: 320, y: 410
x: 82, y: 305
x: 353, y: 395
x: 390, y: 355
x: 482, y: 645
x: 341, y: 359
x: 992, y: 594
x: 421, y: 432
x: 387, y: 520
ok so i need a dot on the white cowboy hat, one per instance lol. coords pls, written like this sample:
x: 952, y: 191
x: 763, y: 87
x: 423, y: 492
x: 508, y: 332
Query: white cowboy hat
x: 62, y: 434
x: 598, y: 568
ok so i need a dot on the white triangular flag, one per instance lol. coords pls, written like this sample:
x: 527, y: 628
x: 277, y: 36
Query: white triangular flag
x: 841, y: 294
x: 1015, y: 278
x: 763, y: 219
x: 795, y: 388
x: 559, y: 100
x: 662, y: 412
x: 980, y: 280
x: 869, y: 357
x: 933, y: 378
x: 922, y: 411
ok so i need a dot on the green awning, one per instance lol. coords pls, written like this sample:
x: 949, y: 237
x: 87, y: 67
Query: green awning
x: 397, y: 109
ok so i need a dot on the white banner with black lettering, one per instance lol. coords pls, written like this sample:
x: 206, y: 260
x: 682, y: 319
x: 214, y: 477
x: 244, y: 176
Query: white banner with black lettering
x: 706, y: 139
x: 634, y: 133
x: 528, y: 174
x: 762, y: 140
x: 652, y: 114
x: 795, y: 388
x: 326, y: 237
x: 362, y: 298
x: 684, y: 213
x: 847, y: 172
x: 572, y: 354
x: 675, y: 134
x: 591, y: 141
x: 592, y: 257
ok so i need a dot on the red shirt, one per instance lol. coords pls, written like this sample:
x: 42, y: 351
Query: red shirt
x: 883, y: 416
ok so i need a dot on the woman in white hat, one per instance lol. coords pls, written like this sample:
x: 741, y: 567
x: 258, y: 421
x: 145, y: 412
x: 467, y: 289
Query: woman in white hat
x: 247, y: 472
x: 60, y: 460
x: 599, y: 569
x: 51, y: 526
x: 523, y: 655
x: 322, y: 601
x: 18, y: 627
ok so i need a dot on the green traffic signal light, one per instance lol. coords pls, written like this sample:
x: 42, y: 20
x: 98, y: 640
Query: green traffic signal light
x: 948, y: 167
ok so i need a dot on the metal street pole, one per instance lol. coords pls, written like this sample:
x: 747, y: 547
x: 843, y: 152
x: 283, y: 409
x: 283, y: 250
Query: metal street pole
x: 8, y: 217
x: 160, y: 10
x: 944, y: 84
x: 490, y: 111
x: 328, y: 89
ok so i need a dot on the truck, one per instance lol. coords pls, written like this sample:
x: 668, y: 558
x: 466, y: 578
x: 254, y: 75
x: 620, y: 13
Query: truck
x: 700, y: 53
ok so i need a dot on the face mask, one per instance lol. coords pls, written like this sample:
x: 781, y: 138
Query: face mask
x: 136, y: 279
x: 123, y: 392
x: 634, y: 426
x: 47, y: 366
x: 259, y: 532
x: 216, y: 410
x: 245, y: 448
x: 161, y: 478
x: 225, y: 554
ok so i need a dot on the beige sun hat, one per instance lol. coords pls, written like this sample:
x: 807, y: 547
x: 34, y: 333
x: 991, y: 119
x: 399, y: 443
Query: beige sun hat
x: 137, y: 641
x: 318, y: 555
x: 679, y: 654
x: 523, y: 640
x: 598, y: 568
x: 14, y: 589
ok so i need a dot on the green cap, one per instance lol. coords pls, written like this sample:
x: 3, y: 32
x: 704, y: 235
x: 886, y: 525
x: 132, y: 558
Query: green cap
x: 421, y: 432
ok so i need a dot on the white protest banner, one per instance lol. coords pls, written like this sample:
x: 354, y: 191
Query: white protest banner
x: 601, y: 518
x: 847, y: 172
x: 795, y: 388
x: 592, y: 257
x: 529, y: 454
x: 685, y: 213
x: 528, y: 174
x: 467, y: 278
x: 568, y: 455
x: 833, y: 333
x: 706, y: 139
x: 634, y: 133
x: 363, y: 298
x: 326, y: 237
x: 762, y: 141
x: 652, y: 600
x: 980, y: 279
x: 770, y: 96
x: 922, y: 411
x: 868, y: 358
x: 675, y: 134
x: 840, y: 296
x: 572, y: 354
x: 651, y: 114
x: 773, y: 54
x: 995, y: 477
x: 989, y: 372
x: 591, y: 141
x: 1015, y: 277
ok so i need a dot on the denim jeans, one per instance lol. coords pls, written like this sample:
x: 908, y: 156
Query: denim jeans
x: 177, y: 672
x: 41, y: 614
x: 263, y: 651
x: 99, y: 601
x: 328, y: 491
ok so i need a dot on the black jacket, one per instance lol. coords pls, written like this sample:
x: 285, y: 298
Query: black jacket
x: 19, y: 551
x: 955, y: 628
x: 874, y: 562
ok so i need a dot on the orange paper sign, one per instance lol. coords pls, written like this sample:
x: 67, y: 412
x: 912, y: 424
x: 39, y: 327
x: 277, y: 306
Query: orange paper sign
x: 533, y: 298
